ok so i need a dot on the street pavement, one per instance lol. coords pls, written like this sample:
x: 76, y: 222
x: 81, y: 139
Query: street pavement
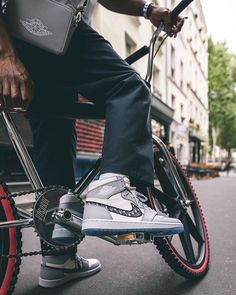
x: 136, y: 270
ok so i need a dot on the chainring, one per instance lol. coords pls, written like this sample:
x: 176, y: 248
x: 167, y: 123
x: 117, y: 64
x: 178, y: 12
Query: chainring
x: 46, y: 204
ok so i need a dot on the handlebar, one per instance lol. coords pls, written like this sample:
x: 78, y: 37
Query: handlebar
x: 146, y: 49
x: 179, y: 8
x: 137, y: 55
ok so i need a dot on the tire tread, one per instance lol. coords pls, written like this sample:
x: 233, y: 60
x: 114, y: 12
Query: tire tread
x: 167, y: 252
x: 14, y: 278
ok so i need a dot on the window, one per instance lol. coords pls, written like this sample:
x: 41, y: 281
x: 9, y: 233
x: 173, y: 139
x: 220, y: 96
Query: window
x: 156, y: 82
x: 201, y: 118
x: 196, y: 113
x: 158, y: 129
x: 181, y: 74
x: 191, y: 108
x: 172, y: 60
x: 182, y: 113
x: 173, y: 101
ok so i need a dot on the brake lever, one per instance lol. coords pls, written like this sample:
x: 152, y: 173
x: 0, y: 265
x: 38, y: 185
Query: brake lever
x: 155, y: 35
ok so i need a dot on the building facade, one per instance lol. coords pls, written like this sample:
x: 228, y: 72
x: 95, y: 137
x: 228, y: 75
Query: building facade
x: 179, y: 86
x: 180, y: 76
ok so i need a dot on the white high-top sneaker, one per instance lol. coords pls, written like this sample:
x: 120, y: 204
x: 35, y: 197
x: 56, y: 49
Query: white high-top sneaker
x: 113, y: 208
x: 58, y: 270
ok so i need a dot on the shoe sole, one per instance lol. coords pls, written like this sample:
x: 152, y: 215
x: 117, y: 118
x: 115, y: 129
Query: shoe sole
x: 67, y: 278
x: 98, y: 227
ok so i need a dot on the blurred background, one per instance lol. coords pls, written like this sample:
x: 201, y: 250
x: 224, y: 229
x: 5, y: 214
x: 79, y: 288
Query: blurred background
x: 193, y: 90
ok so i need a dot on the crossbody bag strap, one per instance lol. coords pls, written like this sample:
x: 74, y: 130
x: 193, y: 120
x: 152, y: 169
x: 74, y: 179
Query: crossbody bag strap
x: 81, y: 6
x: 79, y: 9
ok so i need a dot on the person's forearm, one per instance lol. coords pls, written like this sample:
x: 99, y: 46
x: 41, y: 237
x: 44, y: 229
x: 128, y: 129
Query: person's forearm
x: 131, y: 7
x: 6, y: 46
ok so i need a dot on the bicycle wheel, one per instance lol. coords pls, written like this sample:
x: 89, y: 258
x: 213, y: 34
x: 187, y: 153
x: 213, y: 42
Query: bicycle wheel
x: 10, y: 243
x: 186, y: 253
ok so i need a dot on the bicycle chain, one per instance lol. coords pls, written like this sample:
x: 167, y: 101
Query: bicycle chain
x: 51, y: 251
x: 39, y: 190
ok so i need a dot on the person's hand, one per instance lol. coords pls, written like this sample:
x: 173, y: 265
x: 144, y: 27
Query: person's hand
x: 159, y: 14
x: 16, y: 87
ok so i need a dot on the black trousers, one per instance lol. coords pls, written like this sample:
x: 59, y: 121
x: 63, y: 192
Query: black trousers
x: 92, y: 68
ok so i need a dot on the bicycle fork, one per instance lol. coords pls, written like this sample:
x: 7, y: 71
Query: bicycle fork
x: 171, y: 169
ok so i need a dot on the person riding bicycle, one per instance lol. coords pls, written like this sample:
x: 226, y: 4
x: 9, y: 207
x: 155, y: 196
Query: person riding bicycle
x: 92, y: 68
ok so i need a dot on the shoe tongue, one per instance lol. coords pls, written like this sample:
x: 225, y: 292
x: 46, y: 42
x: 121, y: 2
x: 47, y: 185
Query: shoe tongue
x: 114, y: 178
x: 127, y: 182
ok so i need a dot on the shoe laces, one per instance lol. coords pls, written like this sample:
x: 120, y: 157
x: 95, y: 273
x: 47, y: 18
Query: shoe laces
x: 140, y: 199
x: 81, y: 263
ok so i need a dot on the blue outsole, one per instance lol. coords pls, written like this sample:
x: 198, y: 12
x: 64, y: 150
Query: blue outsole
x: 105, y: 232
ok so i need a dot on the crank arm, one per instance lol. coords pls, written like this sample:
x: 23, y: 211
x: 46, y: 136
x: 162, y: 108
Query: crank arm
x: 73, y: 223
x: 128, y: 239
x: 68, y: 220
x: 171, y: 167
x: 110, y: 239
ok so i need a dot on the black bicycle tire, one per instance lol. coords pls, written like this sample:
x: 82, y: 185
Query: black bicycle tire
x: 169, y: 253
x: 11, y: 267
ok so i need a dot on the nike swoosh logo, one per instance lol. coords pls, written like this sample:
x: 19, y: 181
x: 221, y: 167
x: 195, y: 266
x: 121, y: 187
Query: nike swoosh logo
x: 134, y: 212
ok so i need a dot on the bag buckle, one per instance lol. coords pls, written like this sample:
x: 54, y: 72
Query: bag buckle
x: 80, y: 10
x: 78, y: 17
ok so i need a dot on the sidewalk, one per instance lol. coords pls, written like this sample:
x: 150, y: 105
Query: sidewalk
x: 231, y: 173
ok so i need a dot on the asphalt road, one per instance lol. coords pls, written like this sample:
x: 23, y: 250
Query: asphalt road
x: 140, y: 270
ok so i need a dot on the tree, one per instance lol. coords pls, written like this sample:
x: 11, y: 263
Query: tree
x: 222, y: 95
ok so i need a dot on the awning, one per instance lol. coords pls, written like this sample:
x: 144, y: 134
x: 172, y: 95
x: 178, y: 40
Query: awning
x: 162, y: 111
x: 195, y: 135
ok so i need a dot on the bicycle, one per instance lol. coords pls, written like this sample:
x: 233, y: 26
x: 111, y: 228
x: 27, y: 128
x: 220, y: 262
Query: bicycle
x: 186, y: 253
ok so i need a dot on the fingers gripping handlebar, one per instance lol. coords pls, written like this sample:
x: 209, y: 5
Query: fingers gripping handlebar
x: 179, y: 8
x: 145, y: 49
x: 162, y: 27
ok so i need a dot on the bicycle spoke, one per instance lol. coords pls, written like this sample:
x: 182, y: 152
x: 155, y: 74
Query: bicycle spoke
x: 164, y: 198
x: 193, y: 230
x: 186, y: 241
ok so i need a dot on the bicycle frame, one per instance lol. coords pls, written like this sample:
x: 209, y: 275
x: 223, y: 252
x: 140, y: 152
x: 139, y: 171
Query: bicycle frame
x: 83, y: 183
x: 32, y: 173
x: 186, y: 253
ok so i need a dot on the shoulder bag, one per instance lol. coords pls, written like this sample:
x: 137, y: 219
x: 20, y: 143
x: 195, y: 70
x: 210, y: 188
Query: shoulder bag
x: 48, y: 24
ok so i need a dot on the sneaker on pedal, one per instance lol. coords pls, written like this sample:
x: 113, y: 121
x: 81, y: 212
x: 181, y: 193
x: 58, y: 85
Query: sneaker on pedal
x: 112, y: 207
x: 58, y: 270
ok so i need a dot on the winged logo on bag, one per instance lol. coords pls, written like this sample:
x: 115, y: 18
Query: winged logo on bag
x: 36, y: 27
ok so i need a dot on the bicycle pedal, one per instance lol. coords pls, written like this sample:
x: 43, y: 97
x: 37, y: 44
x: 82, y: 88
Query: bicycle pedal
x: 126, y: 237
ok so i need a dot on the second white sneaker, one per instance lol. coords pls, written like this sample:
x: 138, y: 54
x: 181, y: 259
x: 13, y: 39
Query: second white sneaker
x: 113, y: 208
